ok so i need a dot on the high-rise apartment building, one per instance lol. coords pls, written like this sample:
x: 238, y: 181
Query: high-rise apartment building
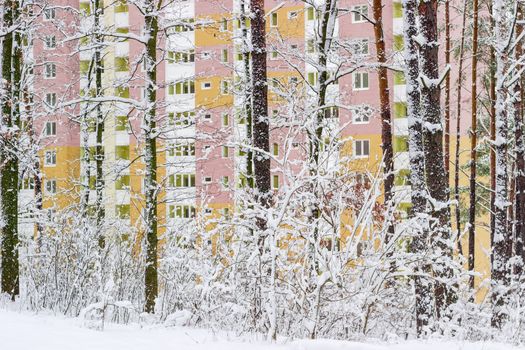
x: 201, y: 104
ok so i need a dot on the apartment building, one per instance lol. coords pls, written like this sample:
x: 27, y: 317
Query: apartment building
x: 201, y: 110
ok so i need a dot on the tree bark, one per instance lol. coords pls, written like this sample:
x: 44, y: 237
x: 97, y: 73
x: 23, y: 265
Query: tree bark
x: 435, y: 176
x: 502, y: 248
x: 519, y: 199
x: 386, y: 116
x: 423, y: 290
x: 473, y: 144
x: 150, y: 156
x: 447, y: 90
x: 457, y: 210
x: 9, y: 162
x: 99, y: 126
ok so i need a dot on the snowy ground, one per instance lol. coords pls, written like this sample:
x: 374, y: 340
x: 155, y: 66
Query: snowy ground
x: 24, y: 331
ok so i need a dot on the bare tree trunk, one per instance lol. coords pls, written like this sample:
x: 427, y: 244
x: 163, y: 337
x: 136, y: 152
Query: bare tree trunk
x: 9, y: 162
x: 324, y: 44
x: 436, y: 180
x: 458, y: 129
x: 261, y: 125
x: 386, y: 116
x: 150, y: 155
x: 502, y: 248
x: 519, y: 199
x: 447, y: 90
x: 492, y: 135
x: 473, y: 144
x: 423, y: 290
x: 99, y: 126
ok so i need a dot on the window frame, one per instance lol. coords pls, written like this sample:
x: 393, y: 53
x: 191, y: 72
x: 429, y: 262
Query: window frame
x: 361, y: 142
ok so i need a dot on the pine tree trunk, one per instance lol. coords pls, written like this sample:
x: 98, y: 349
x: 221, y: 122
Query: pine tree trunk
x: 436, y: 180
x: 261, y: 128
x: 423, y: 290
x: 519, y: 199
x: 386, y: 117
x: 447, y: 90
x: 150, y: 156
x: 9, y: 163
x: 261, y: 125
x: 458, y: 129
x: 502, y: 248
x: 473, y: 144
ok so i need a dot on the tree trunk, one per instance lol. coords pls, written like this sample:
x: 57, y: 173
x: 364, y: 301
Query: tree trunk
x: 261, y: 125
x: 9, y: 163
x: 436, y: 180
x: 386, y: 117
x: 447, y: 90
x: 150, y: 156
x: 324, y: 37
x: 502, y: 248
x: 519, y: 200
x: 99, y: 126
x: 458, y: 129
x: 424, y: 309
x: 473, y: 143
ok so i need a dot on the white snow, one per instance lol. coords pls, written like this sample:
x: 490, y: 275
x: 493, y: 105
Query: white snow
x: 26, y: 331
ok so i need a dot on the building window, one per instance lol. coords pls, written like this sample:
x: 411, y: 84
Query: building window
x: 226, y: 213
x: 310, y: 13
x: 182, y: 118
x: 361, y: 115
x: 225, y: 181
x: 225, y: 87
x: 225, y: 152
x: 187, y: 25
x: 49, y: 14
x: 274, y: 55
x: 274, y: 22
x: 50, y: 42
x: 51, y: 186
x: 123, y: 211
x: 181, y: 56
x: 313, y: 78
x: 224, y: 55
x: 182, y: 88
x: 359, y: 13
x: 331, y: 112
x: 183, y: 149
x: 225, y: 119
x: 275, y: 182
x: 28, y: 183
x: 293, y: 15
x: 181, y: 211
x: 50, y: 158
x: 206, y: 85
x: 50, y: 71
x: 275, y: 149
x: 51, y: 99
x: 311, y: 46
x: 207, y: 180
x: 182, y: 180
x: 360, y: 80
x: 50, y: 129
x: 361, y: 47
x: 361, y: 148
x: 224, y: 25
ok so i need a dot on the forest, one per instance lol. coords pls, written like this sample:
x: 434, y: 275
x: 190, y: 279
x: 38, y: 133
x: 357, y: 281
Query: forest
x: 281, y: 202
